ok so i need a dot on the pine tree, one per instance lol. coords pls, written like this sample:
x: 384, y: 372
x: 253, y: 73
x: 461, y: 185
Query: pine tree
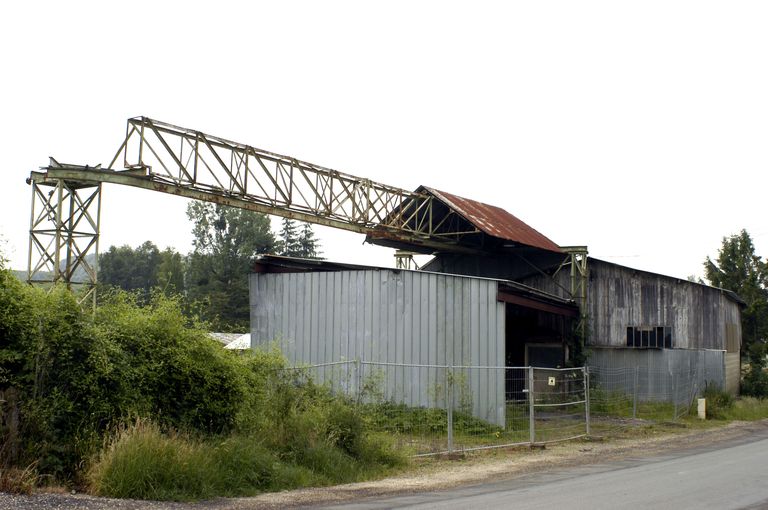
x: 738, y: 269
x: 308, y: 243
x: 288, y: 245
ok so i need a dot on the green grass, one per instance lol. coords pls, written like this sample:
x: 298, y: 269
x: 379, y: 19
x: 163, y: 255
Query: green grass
x: 748, y: 409
x: 142, y: 462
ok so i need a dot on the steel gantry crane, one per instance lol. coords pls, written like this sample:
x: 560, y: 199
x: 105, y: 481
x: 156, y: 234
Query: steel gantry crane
x: 66, y: 199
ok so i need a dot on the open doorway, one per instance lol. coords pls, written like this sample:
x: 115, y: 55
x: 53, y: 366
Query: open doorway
x: 537, y: 338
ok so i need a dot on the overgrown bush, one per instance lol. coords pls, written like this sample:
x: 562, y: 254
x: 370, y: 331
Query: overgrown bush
x: 755, y: 381
x: 719, y: 402
x: 57, y: 367
x: 169, y: 368
x: 143, y: 462
x: 78, y: 375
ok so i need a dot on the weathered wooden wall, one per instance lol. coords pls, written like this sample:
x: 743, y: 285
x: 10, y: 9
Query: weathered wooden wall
x: 701, y: 317
x: 387, y: 316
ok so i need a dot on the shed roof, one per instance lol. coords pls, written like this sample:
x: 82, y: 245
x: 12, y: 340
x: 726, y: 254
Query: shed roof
x: 494, y: 221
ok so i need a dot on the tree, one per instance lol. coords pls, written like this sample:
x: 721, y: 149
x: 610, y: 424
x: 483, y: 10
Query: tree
x: 142, y: 269
x: 170, y: 272
x: 226, y: 242
x: 295, y: 243
x: 130, y: 269
x: 738, y: 269
x: 288, y: 244
x: 309, y: 247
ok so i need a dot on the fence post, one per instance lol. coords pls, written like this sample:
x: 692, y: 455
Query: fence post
x: 586, y: 397
x: 449, y: 404
x: 674, y: 394
x: 531, y: 416
x: 634, y: 394
x: 359, y: 377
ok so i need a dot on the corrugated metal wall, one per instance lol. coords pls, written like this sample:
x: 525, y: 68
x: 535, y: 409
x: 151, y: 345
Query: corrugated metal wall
x: 387, y: 316
x: 661, y: 372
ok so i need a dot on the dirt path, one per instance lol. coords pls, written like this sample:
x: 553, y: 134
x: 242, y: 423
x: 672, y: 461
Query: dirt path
x: 471, y: 469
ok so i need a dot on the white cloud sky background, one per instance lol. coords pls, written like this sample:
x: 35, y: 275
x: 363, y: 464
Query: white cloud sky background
x: 637, y: 128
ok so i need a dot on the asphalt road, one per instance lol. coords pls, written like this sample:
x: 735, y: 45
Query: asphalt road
x: 727, y: 476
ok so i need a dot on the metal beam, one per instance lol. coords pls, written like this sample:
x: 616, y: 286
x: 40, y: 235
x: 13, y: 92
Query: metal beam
x: 577, y: 259
x: 142, y: 179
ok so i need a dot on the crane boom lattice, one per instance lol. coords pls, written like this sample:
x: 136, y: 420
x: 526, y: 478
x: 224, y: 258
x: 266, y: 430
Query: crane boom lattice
x: 163, y: 157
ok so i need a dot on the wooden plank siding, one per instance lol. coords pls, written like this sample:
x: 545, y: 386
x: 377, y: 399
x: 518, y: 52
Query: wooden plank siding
x: 701, y: 317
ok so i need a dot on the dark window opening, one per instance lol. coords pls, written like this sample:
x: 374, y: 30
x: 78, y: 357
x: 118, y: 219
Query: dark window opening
x: 659, y: 337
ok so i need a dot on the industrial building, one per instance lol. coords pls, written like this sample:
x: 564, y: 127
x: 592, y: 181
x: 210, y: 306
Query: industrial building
x: 505, y: 296
x: 496, y: 293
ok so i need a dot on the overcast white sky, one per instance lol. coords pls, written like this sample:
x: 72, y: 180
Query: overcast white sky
x: 637, y: 128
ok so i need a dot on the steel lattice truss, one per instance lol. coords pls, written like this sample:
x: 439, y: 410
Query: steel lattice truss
x: 66, y: 199
x: 197, y: 165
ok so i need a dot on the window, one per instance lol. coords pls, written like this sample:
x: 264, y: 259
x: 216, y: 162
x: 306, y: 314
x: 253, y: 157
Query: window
x: 658, y: 337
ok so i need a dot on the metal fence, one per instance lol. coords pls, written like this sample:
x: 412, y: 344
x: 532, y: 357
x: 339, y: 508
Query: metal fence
x: 432, y: 409
x: 635, y: 395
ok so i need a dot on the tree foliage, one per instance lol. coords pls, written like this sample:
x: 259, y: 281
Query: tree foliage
x: 226, y: 241
x: 76, y: 374
x: 142, y: 269
x: 213, y: 278
x: 738, y: 269
x: 297, y: 241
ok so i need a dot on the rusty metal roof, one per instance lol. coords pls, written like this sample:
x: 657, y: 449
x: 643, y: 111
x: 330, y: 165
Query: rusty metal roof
x: 494, y: 221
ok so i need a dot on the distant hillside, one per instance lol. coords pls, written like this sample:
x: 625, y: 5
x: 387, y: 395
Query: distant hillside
x: 80, y: 275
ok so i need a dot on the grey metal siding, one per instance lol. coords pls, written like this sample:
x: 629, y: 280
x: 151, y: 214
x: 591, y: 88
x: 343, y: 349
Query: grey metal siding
x: 388, y: 316
x: 662, y: 374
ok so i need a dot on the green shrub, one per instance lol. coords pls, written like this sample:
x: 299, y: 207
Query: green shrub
x: 78, y: 375
x: 345, y: 428
x: 718, y: 402
x: 170, y: 369
x: 755, y: 382
x: 247, y: 467
x: 142, y: 462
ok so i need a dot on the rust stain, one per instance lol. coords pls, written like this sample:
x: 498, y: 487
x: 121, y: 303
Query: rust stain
x: 495, y: 221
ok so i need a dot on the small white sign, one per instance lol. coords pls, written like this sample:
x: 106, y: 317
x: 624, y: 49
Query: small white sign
x: 551, y: 381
